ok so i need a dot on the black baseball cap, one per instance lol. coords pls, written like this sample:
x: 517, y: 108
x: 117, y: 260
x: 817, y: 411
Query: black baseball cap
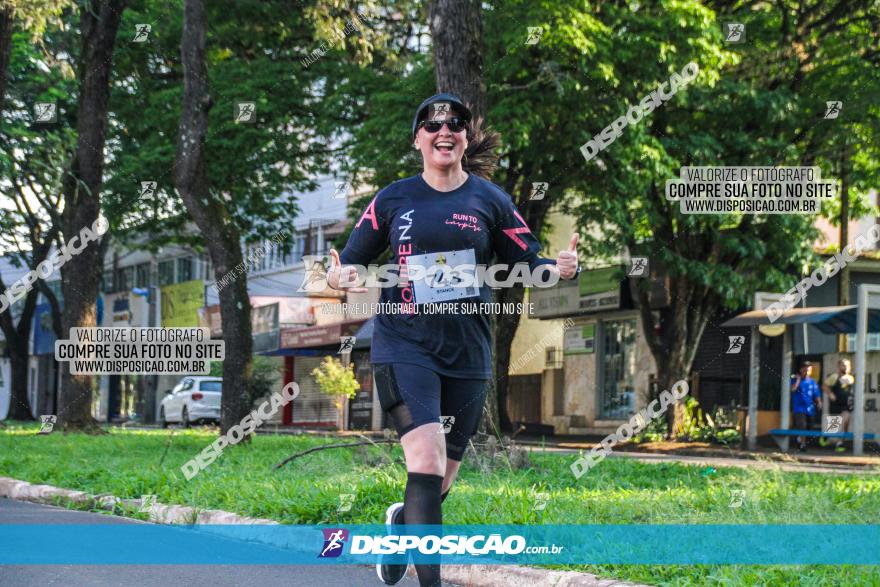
x: 456, y: 102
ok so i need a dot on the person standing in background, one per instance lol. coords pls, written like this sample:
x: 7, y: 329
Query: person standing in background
x: 805, y: 401
x: 838, y: 386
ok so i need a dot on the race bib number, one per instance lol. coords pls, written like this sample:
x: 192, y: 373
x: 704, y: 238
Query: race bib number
x: 444, y: 276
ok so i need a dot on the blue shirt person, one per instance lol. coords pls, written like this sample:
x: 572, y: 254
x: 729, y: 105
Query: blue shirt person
x: 805, y: 394
x: 805, y: 398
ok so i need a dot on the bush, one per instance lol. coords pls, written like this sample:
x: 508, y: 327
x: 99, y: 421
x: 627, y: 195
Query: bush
x: 655, y: 431
x: 335, y: 379
x: 697, y: 427
x: 729, y: 436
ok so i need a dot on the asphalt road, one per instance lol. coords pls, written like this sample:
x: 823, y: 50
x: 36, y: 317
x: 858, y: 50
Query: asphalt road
x: 18, y: 512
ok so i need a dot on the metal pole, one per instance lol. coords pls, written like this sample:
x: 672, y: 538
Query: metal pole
x: 785, y: 398
x: 754, y: 370
x: 151, y: 411
x: 859, y: 398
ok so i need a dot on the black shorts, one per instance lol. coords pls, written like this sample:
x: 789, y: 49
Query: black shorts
x: 414, y: 396
x: 843, y: 403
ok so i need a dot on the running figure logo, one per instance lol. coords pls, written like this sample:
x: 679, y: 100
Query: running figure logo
x: 446, y: 423
x: 539, y: 501
x: 245, y: 112
x: 832, y: 109
x: 47, y: 423
x: 141, y: 32
x: 833, y: 424
x: 737, y: 498
x: 45, y: 112
x: 346, y: 500
x: 148, y: 188
x: 734, y: 32
x: 147, y: 502
x: 539, y: 189
x: 341, y: 190
x: 638, y: 267
x: 440, y: 110
x: 315, y: 277
x: 535, y: 33
x: 736, y: 344
x: 334, y: 540
x: 346, y: 344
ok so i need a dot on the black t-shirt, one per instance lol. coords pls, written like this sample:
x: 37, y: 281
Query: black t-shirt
x: 478, y: 221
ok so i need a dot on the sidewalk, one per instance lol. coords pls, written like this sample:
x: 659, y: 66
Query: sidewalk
x: 19, y: 512
x: 709, y: 455
x: 15, y: 512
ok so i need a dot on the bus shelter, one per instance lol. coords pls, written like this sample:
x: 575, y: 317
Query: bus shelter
x: 860, y: 319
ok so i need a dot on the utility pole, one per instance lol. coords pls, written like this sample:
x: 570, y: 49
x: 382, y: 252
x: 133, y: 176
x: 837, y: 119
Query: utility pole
x: 152, y: 380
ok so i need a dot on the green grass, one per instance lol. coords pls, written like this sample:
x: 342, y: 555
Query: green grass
x: 306, y: 491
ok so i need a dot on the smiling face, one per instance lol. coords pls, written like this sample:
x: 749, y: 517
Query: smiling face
x: 443, y: 149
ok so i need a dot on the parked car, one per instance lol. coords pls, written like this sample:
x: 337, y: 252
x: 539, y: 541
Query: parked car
x: 193, y: 399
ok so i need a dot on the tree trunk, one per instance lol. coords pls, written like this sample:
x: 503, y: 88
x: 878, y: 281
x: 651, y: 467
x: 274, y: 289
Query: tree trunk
x: 19, y: 405
x: 457, y: 39
x: 457, y: 34
x: 5, y: 49
x: 18, y: 337
x: 533, y: 212
x: 674, y: 338
x: 212, y: 218
x: 99, y: 23
x: 505, y: 330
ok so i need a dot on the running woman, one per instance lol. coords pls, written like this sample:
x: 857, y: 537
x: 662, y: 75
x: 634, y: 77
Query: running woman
x: 431, y: 370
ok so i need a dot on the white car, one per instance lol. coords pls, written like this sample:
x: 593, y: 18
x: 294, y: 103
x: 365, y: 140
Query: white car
x: 194, y: 399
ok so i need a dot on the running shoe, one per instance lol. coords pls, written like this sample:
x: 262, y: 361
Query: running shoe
x: 392, y: 574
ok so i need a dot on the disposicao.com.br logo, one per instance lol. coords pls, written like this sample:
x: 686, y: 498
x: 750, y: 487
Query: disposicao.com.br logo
x: 431, y: 544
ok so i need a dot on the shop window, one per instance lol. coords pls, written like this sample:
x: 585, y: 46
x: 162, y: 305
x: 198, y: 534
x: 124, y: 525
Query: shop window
x: 124, y: 278
x: 107, y: 285
x: 873, y: 342
x: 184, y: 269
x: 553, y: 358
x: 166, y: 272
x: 142, y: 275
x: 618, y: 369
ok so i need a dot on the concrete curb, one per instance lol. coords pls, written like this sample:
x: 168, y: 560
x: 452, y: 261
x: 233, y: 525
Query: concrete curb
x: 466, y: 575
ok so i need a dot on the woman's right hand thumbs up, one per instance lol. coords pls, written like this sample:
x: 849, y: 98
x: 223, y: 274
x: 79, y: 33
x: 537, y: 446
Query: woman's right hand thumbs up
x: 337, y: 274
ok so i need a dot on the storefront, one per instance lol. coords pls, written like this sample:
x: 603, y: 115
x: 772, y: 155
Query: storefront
x: 123, y: 397
x: 606, y: 361
x: 303, y: 350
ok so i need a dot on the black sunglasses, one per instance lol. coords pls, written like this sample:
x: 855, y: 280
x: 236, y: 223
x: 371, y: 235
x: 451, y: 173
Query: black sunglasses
x: 454, y: 124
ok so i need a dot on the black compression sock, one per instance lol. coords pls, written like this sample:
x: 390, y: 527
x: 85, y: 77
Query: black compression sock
x: 422, y: 506
x: 398, y: 518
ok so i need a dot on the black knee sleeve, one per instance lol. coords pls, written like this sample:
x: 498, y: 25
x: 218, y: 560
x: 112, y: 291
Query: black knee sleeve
x: 390, y: 399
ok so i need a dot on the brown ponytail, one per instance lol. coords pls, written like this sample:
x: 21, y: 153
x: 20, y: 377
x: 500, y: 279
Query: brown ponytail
x: 480, y: 157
